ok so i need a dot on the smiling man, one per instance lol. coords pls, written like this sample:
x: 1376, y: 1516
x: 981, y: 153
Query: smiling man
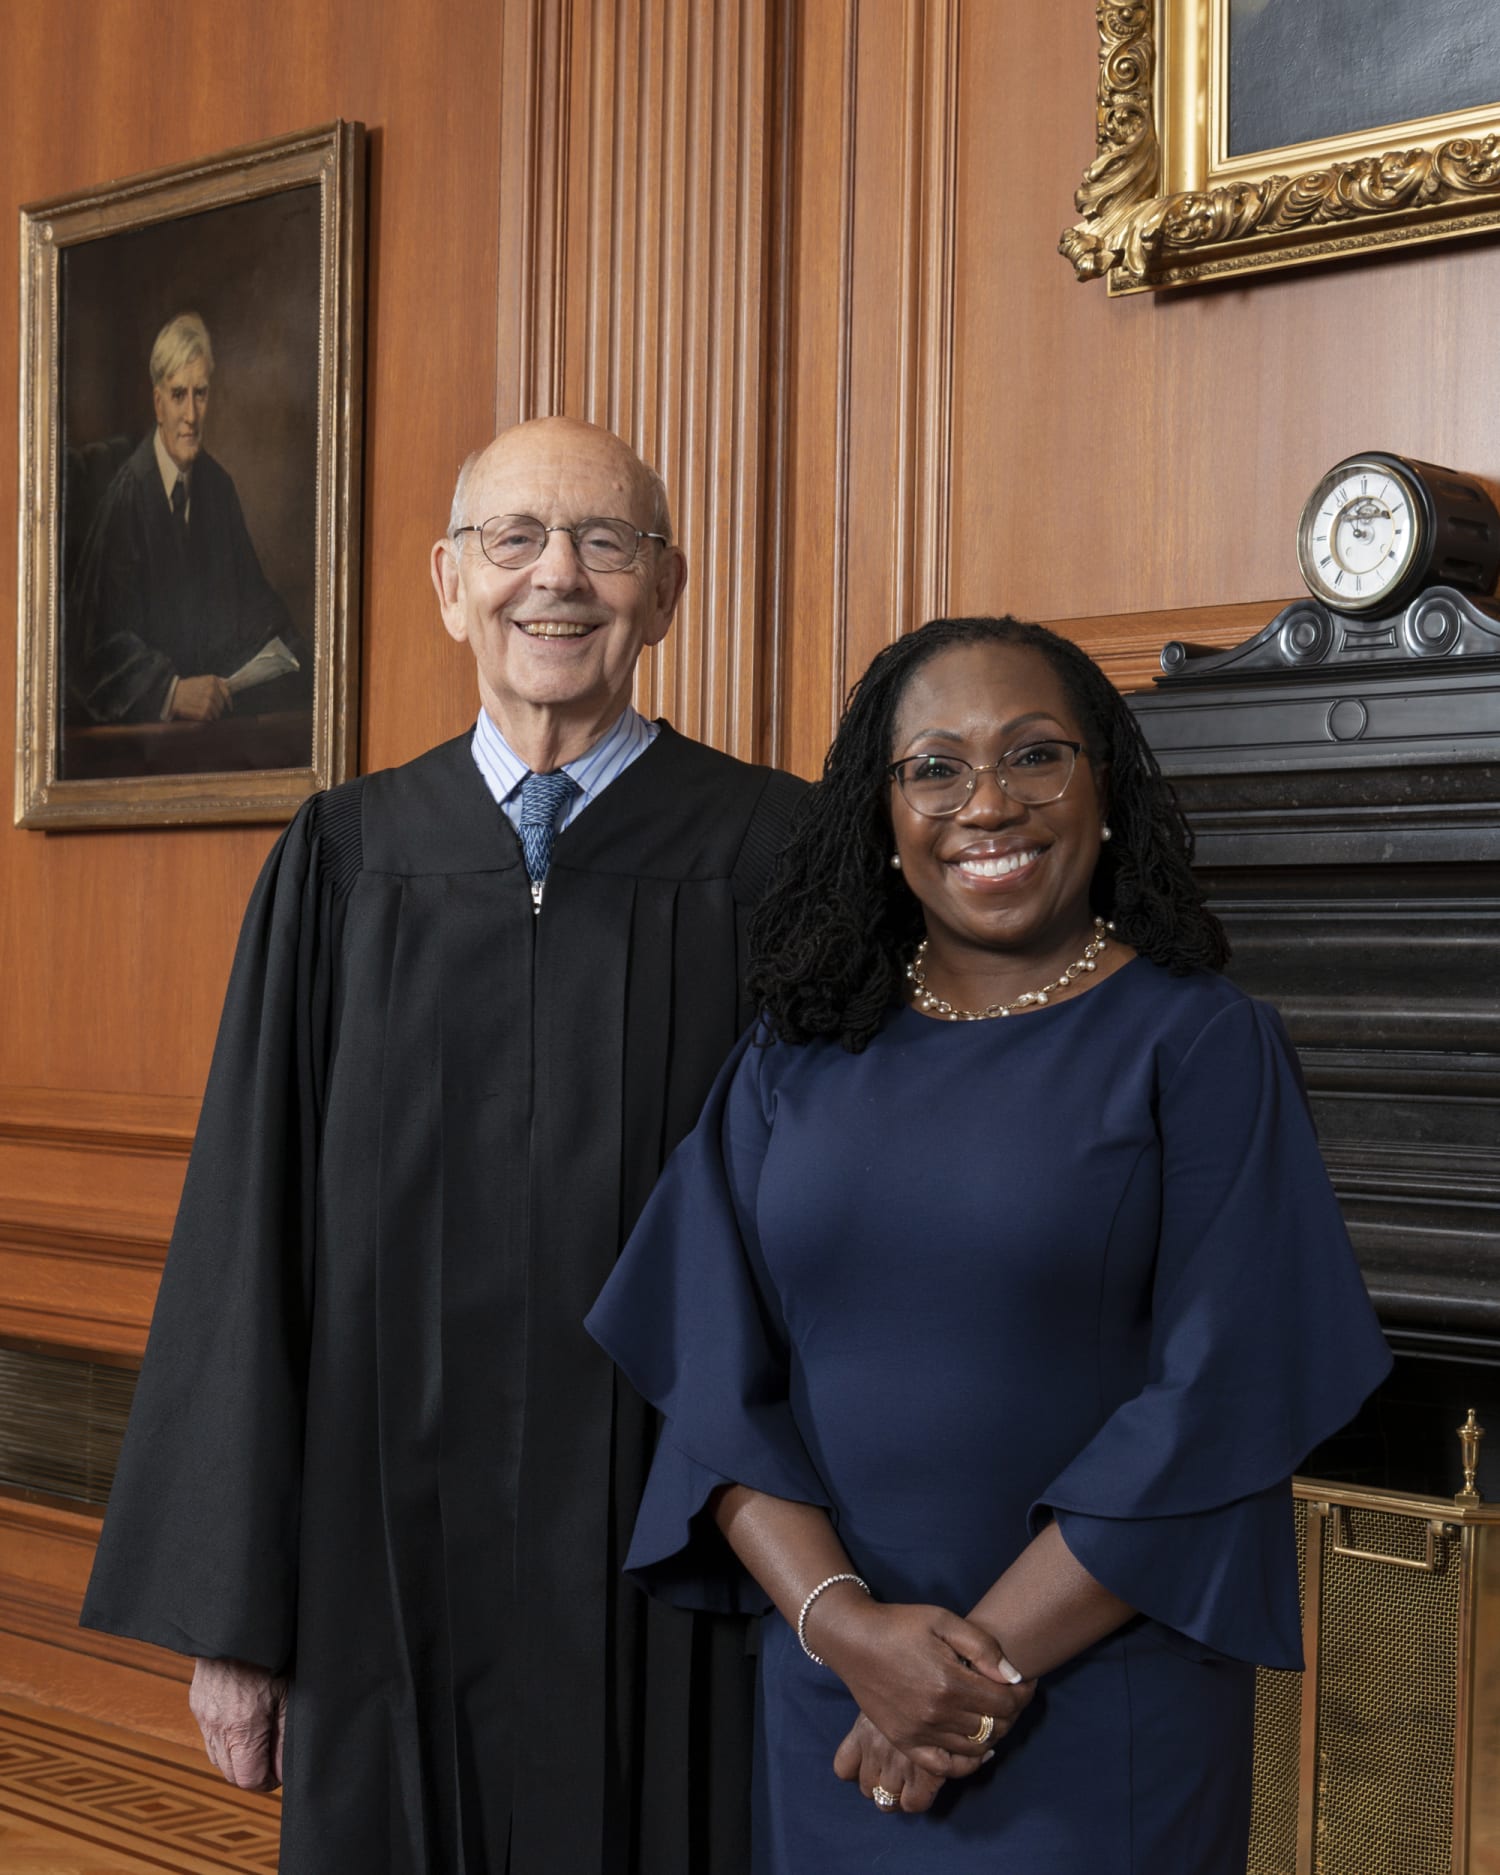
x: 169, y: 600
x: 374, y: 1459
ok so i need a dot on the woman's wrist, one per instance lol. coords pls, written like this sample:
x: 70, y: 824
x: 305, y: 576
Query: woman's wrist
x: 839, y: 1613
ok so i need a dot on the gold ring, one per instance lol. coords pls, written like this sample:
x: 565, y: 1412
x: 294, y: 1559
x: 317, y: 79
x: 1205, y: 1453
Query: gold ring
x: 884, y: 1799
x: 982, y: 1736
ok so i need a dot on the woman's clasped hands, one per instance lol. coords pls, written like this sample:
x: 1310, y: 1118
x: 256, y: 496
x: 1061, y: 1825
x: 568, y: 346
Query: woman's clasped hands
x: 926, y: 1681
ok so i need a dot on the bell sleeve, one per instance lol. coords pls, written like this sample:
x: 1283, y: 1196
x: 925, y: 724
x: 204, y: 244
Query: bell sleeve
x: 1263, y: 1343
x: 199, y: 1546
x: 692, y: 1320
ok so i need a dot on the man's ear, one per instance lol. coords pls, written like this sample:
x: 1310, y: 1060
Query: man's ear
x: 671, y: 577
x: 445, y: 583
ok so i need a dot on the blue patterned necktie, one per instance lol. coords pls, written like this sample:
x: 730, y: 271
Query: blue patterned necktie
x: 543, y: 798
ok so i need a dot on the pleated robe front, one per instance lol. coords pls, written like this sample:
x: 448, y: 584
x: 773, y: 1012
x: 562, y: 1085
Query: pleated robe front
x: 371, y: 1442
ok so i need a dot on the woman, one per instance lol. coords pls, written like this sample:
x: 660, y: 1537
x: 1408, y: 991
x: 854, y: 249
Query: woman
x: 993, y: 1302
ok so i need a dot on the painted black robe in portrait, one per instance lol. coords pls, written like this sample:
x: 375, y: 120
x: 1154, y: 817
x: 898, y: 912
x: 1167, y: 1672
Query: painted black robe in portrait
x: 153, y: 601
x: 372, y: 1443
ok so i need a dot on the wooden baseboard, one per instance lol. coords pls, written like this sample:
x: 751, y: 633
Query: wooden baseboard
x: 45, y: 1557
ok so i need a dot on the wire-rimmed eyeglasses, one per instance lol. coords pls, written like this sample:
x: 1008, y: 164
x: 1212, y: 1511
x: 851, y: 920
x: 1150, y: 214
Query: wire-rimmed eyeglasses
x: 1033, y: 773
x: 602, y: 544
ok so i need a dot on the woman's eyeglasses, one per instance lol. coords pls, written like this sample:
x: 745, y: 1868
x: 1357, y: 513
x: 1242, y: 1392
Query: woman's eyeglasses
x: 1033, y: 774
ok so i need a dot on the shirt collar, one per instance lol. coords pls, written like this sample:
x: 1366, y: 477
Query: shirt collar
x: 166, y: 467
x: 504, y: 771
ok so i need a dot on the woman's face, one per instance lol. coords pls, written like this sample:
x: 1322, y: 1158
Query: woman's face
x: 997, y: 876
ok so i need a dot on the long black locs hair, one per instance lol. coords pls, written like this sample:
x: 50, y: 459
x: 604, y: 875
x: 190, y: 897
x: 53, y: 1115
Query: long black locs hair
x: 831, y: 939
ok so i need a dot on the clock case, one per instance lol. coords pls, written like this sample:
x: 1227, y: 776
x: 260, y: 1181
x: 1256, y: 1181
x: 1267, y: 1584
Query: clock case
x: 1458, y: 532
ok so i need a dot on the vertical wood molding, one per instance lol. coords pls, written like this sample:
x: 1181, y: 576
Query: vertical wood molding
x: 635, y: 290
x: 839, y: 546
x: 933, y: 215
x: 889, y: 557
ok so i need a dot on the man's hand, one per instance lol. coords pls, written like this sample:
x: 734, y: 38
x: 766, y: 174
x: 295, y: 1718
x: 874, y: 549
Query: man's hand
x: 201, y: 699
x: 241, y: 1712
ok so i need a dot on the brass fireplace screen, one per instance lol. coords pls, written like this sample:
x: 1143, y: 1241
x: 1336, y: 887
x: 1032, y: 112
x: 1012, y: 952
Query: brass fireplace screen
x: 1384, y: 1757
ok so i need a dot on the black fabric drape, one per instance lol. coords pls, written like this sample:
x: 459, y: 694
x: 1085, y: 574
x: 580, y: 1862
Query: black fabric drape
x: 371, y: 1440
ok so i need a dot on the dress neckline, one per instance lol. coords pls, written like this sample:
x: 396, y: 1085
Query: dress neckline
x: 908, y: 1012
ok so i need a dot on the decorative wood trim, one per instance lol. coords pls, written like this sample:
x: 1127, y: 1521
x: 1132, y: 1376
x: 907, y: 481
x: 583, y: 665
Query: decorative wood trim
x: 776, y: 348
x: 929, y: 253
x: 1128, y: 644
x: 46, y: 1554
x: 36, y: 1612
x: 157, y: 1125
x: 643, y: 257
x: 891, y: 508
x: 88, y: 1233
x: 79, y: 1277
x: 839, y: 547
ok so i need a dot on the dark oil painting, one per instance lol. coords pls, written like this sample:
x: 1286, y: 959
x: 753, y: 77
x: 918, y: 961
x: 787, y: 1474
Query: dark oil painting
x: 1301, y: 70
x: 189, y: 399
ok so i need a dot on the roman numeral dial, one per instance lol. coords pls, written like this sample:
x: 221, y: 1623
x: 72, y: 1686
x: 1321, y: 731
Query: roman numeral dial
x: 1360, y: 533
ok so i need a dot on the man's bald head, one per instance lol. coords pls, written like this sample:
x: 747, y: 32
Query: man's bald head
x: 556, y: 642
x: 546, y: 438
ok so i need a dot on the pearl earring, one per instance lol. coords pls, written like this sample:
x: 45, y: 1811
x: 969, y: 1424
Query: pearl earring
x: 1106, y: 832
x: 896, y: 862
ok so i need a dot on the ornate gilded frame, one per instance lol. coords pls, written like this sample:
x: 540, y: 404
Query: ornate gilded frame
x: 1163, y: 206
x: 331, y: 157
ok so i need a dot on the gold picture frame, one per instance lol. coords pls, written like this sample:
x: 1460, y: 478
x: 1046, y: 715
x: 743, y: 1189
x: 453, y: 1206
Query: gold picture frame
x: 192, y: 656
x: 1164, y: 204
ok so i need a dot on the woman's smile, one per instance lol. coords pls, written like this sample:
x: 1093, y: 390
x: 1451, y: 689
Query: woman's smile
x: 1003, y: 884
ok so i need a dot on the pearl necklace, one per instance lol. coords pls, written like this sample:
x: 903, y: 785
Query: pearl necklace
x: 932, y: 1005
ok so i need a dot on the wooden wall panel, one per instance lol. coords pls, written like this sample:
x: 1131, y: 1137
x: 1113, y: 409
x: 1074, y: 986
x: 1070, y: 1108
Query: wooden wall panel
x: 637, y: 292
x: 1153, y: 453
x: 95, y: 929
x: 875, y: 130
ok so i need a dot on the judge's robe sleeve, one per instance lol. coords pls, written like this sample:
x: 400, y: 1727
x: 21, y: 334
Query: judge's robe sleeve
x: 1263, y: 1343
x: 691, y: 1318
x: 199, y: 1547
x: 113, y: 674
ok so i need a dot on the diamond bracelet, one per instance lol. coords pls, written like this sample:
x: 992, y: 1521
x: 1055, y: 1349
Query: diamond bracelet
x: 826, y: 1583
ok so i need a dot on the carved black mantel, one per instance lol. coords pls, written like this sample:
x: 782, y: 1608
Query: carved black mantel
x: 1343, y: 782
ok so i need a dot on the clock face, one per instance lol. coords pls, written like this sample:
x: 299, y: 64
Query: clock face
x: 1360, y: 532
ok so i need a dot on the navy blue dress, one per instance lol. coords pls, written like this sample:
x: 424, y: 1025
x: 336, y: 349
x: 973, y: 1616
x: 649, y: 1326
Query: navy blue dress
x: 1082, y: 1264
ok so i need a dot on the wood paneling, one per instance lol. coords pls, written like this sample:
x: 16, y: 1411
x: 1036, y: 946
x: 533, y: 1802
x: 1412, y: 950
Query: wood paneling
x: 47, y: 1554
x: 636, y: 291
x: 1154, y: 452
x: 868, y: 489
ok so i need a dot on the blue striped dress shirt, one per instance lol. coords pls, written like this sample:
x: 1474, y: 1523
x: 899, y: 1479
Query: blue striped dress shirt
x: 625, y: 741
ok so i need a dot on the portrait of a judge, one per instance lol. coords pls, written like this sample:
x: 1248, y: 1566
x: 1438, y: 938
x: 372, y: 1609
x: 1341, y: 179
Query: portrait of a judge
x: 171, y: 619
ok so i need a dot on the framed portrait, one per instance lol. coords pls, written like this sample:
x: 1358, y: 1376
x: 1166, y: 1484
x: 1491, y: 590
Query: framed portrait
x: 1240, y: 135
x: 191, y: 391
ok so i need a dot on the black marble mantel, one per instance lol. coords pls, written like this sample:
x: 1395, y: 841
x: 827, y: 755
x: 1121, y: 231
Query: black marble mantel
x: 1343, y: 783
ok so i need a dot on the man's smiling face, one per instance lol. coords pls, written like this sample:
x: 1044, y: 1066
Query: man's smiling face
x: 553, y: 638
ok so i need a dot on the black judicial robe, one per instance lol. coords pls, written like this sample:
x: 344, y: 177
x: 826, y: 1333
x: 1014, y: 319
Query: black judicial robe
x: 151, y: 603
x: 372, y: 1443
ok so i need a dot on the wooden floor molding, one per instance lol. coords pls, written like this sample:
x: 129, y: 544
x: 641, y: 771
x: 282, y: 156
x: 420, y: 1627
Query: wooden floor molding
x: 78, y: 1798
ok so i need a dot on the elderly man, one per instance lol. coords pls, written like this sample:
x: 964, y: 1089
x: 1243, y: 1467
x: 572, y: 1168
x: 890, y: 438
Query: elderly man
x: 169, y: 601
x: 476, y: 1002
